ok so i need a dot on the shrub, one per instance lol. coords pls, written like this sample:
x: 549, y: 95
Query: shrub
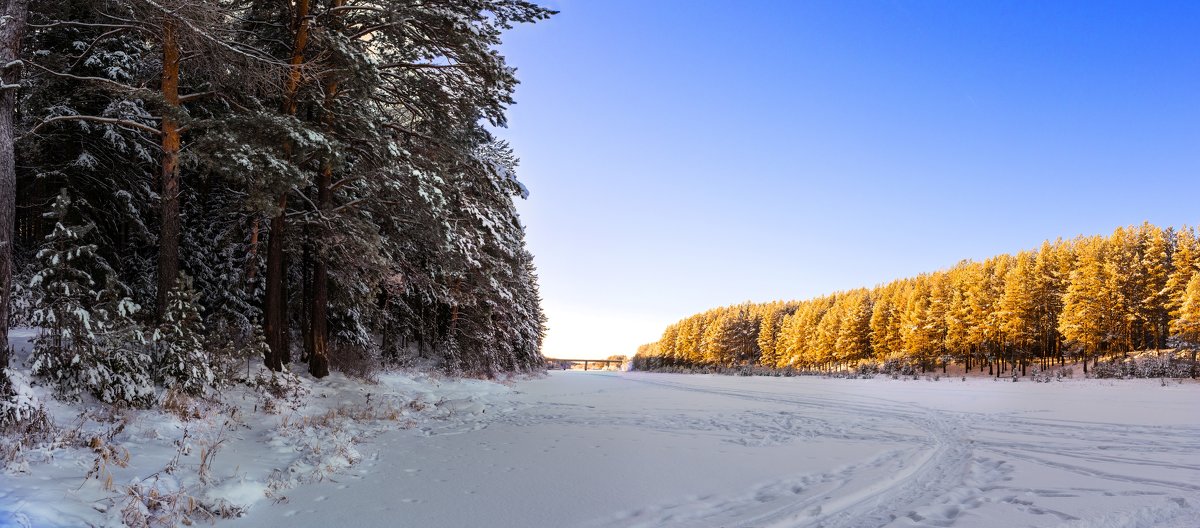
x: 355, y: 361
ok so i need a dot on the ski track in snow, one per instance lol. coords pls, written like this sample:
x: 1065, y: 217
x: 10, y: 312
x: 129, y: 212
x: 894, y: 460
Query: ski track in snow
x: 952, y: 463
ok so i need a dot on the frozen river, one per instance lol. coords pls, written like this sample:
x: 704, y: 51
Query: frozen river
x: 603, y: 449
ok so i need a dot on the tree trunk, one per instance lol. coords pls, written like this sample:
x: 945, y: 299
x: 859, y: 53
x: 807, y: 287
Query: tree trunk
x: 300, y: 31
x: 306, y: 294
x: 274, y: 309
x: 252, y: 253
x: 318, y: 363
x: 274, y: 323
x: 285, y: 302
x: 12, y: 30
x: 168, y: 237
x: 1193, y: 362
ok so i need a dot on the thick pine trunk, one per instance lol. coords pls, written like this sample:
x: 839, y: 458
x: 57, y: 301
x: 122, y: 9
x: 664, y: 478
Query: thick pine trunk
x: 274, y: 308
x: 168, y: 237
x: 12, y: 30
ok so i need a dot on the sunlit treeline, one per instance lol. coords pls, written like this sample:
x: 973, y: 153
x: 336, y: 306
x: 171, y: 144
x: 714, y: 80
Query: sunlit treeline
x: 1074, y: 300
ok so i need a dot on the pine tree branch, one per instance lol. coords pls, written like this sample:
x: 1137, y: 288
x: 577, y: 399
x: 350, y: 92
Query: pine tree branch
x: 100, y: 80
x: 183, y: 99
x: 92, y: 46
x: 256, y: 55
x: 417, y: 65
x: 91, y: 119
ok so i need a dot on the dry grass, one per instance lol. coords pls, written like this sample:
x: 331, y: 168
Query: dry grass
x: 107, y: 456
x: 183, y: 406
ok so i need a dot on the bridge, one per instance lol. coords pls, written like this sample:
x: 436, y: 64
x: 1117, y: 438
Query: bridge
x: 554, y: 362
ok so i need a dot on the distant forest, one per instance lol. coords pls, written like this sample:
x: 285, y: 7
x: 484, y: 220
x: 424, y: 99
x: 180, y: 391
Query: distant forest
x: 194, y: 183
x: 1085, y: 300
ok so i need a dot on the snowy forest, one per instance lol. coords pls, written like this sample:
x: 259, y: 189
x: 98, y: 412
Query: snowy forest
x: 190, y: 185
x: 1090, y: 299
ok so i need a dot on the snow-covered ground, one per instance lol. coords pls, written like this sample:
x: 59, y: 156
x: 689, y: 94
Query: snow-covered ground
x: 211, y: 461
x: 606, y: 449
x: 630, y: 449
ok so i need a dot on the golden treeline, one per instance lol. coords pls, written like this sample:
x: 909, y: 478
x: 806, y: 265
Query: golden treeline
x: 1074, y: 300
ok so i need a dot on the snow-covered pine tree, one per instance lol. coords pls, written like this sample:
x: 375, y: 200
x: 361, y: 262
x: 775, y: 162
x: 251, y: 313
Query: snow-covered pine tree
x: 68, y: 339
x: 383, y: 149
x: 88, y: 341
x: 181, y: 359
x: 90, y: 129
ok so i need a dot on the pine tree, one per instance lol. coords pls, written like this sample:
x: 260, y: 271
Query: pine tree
x: 1156, y: 268
x: 769, y: 330
x: 1124, y: 285
x: 181, y: 359
x: 1184, y: 262
x: 854, y: 336
x: 1020, y: 303
x: 885, y: 340
x: 1187, y: 323
x: 1088, y: 315
x: 88, y: 342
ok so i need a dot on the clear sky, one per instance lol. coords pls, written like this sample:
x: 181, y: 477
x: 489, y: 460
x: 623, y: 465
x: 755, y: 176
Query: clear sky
x: 695, y: 153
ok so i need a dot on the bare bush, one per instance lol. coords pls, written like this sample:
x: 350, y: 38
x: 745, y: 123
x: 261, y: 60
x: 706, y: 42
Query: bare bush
x: 355, y: 361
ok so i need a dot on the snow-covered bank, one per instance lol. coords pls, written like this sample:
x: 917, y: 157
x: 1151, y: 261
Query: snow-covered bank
x: 631, y: 449
x: 201, y: 461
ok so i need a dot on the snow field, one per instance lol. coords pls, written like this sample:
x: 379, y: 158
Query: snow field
x: 603, y: 449
x: 640, y: 450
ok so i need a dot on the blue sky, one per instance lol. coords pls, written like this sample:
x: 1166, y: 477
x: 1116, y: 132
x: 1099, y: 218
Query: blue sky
x: 689, y: 154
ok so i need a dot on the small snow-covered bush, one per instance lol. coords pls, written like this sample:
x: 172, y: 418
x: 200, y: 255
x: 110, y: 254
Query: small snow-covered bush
x: 274, y: 387
x: 160, y: 500
x: 24, y: 422
x: 17, y: 401
x: 232, y: 352
x: 896, y: 366
x: 1107, y: 370
x: 22, y: 301
x: 1164, y: 366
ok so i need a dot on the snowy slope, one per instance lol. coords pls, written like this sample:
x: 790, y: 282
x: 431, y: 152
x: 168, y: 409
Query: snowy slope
x: 632, y: 449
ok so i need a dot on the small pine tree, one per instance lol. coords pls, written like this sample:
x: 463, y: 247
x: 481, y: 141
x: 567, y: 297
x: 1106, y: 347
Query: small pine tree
x: 62, y: 311
x: 89, y: 342
x: 181, y: 360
